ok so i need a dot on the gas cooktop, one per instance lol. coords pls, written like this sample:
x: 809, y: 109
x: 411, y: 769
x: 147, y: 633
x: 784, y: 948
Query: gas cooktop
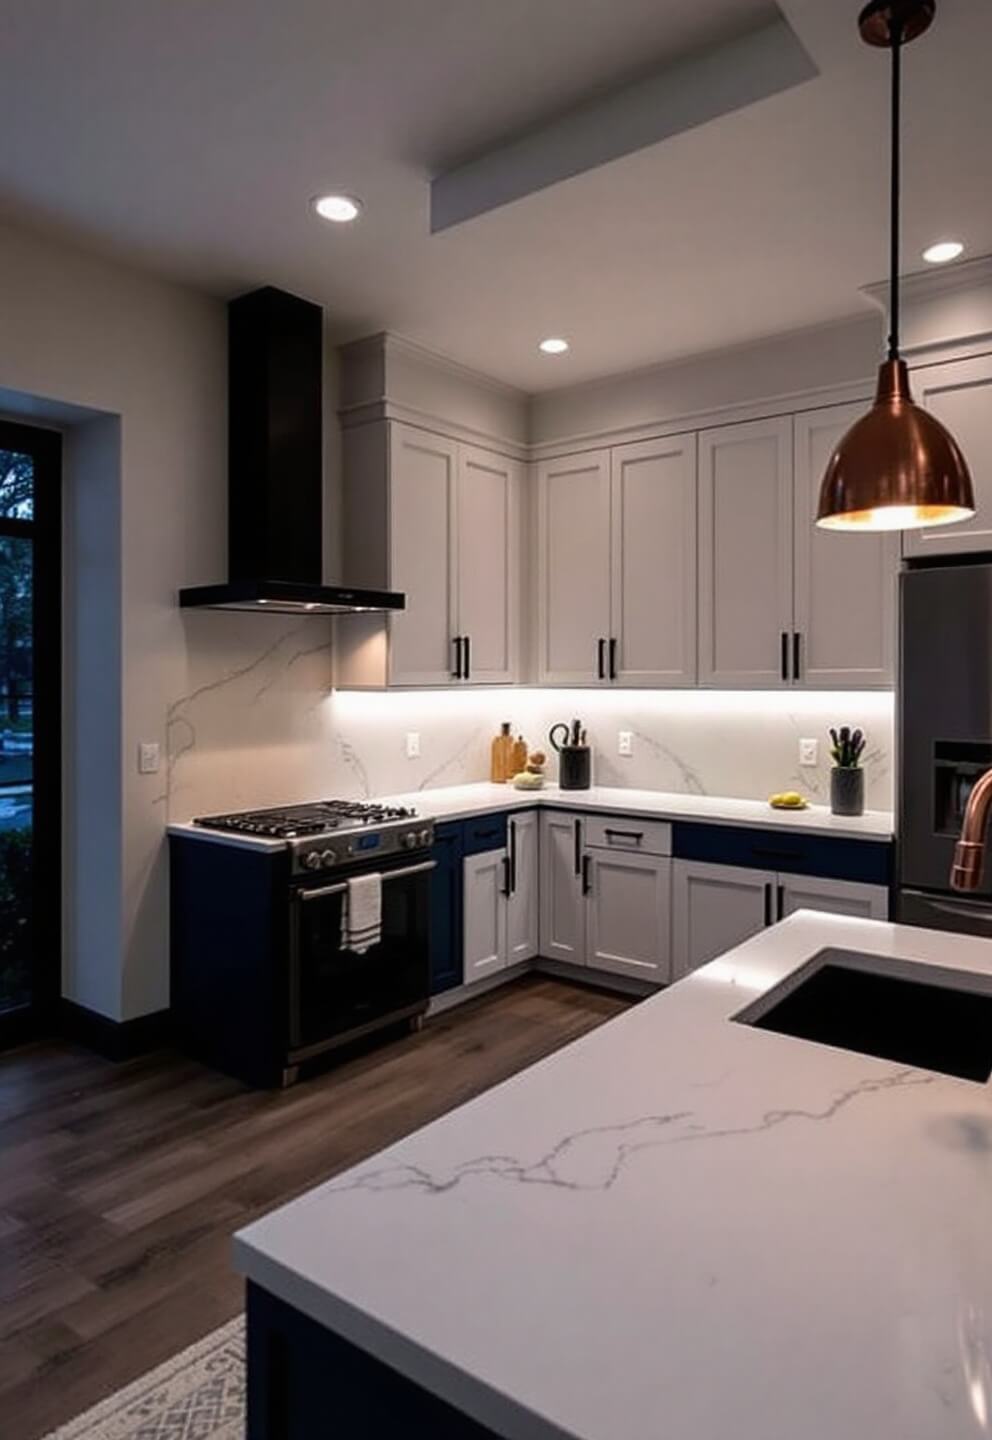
x: 290, y: 822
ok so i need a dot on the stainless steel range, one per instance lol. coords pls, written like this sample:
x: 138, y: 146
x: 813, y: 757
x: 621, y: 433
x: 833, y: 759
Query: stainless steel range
x: 267, y: 969
x: 328, y: 834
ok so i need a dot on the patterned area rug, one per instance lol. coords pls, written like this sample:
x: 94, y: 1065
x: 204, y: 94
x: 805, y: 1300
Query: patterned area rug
x: 197, y: 1395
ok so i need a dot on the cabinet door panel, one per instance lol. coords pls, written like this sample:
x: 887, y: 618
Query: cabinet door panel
x: 573, y: 566
x: 845, y: 602
x: 446, y: 908
x: 563, y: 935
x: 422, y: 544
x: 836, y: 897
x: 628, y: 910
x: 715, y: 907
x: 654, y: 561
x: 484, y: 908
x: 960, y: 395
x: 523, y: 910
x: 745, y: 552
x: 489, y: 562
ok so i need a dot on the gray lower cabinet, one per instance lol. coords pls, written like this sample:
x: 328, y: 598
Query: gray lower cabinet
x: 500, y: 902
x: 716, y: 907
x: 523, y: 902
x: 563, y: 910
x: 835, y: 897
x: 628, y: 914
x: 606, y: 895
x: 484, y: 901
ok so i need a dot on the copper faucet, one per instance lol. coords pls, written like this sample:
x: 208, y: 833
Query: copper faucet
x: 969, y: 852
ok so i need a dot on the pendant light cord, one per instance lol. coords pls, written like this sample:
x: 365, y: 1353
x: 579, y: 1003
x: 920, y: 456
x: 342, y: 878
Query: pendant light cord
x: 896, y: 30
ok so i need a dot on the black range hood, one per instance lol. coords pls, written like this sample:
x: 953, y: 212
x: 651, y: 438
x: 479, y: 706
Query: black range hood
x: 275, y: 466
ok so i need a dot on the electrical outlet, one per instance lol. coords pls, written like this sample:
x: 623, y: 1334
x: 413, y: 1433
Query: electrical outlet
x: 625, y: 742
x: 809, y: 752
x: 148, y: 757
x: 413, y: 744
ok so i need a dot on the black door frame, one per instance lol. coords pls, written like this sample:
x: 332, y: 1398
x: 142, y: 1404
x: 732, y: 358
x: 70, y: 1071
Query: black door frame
x: 45, y: 530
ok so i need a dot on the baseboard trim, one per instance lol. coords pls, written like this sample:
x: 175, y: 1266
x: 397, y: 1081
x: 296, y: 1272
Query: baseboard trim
x: 114, y: 1039
x: 596, y: 979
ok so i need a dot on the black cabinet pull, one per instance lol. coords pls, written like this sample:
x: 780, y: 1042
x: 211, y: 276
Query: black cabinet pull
x: 601, y: 659
x: 768, y: 903
x: 797, y: 655
x: 766, y: 853
x: 780, y: 893
x: 578, y: 846
x: 457, y: 642
x: 636, y: 835
x: 513, y: 857
x: 586, y: 882
x: 785, y: 655
x: 507, y: 889
x: 468, y: 658
x: 613, y: 657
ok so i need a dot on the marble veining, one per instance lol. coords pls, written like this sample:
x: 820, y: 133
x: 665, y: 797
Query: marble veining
x: 595, y: 1158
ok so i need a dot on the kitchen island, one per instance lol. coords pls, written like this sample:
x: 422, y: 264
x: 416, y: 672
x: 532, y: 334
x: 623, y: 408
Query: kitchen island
x: 678, y: 1227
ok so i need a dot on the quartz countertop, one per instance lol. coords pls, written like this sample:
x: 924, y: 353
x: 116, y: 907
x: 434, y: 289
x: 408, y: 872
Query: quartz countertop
x: 679, y: 1228
x: 457, y: 802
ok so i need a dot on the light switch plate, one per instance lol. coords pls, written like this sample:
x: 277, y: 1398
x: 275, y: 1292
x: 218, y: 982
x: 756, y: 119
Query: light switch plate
x: 625, y: 742
x: 149, y: 757
x: 809, y: 752
x: 413, y: 744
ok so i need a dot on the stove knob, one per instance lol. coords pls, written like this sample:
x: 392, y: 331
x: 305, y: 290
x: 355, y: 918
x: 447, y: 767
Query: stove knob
x: 327, y: 858
x: 312, y: 860
x: 410, y: 840
x: 424, y: 838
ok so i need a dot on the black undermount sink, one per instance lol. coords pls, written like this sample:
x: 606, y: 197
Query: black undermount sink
x: 920, y: 1015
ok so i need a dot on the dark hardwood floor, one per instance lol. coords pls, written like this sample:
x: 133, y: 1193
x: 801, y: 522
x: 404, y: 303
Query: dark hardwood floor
x: 120, y: 1185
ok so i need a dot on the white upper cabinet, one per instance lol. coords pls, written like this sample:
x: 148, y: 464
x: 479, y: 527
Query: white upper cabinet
x: 573, y: 568
x: 844, y: 620
x: 960, y: 395
x: 423, y: 494
x: 745, y: 554
x: 653, y: 611
x: 488, y: 565
x: 440, y: 521
x: 617, y: 565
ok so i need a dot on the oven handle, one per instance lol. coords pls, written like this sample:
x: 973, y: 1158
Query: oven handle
x: 327, y: 890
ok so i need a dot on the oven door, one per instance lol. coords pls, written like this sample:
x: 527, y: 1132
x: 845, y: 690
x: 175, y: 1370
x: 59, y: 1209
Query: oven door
x: 335, y: 993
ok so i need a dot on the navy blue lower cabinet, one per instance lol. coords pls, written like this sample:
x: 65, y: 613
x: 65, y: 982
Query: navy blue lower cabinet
x: 306, y: 1383
x: 830, y: 856
x: 446, y: 907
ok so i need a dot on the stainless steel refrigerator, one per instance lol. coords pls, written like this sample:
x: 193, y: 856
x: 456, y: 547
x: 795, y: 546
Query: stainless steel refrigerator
x: 944, y: 718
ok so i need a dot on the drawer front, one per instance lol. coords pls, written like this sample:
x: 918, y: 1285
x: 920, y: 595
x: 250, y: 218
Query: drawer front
x: 793, y: 854
x: 487, y: 832
x: 621, y: 832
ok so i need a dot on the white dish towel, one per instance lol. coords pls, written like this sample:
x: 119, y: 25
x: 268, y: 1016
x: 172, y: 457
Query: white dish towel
x: 361, y: 914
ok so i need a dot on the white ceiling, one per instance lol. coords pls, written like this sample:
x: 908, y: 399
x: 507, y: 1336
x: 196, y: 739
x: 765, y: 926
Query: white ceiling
x: 188, y: 135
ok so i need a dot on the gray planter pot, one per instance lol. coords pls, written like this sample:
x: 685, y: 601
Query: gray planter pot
x: 847, y: 790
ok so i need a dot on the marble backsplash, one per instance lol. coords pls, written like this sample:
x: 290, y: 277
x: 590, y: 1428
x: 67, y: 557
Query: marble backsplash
x: 259, y: 724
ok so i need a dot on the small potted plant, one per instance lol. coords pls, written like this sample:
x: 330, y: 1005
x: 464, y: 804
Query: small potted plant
x: 847, y: 779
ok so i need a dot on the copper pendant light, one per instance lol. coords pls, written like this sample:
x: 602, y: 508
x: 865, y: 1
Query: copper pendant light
x: 897, y: 468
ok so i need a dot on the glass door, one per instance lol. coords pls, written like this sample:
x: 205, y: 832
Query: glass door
x: 30, y: 731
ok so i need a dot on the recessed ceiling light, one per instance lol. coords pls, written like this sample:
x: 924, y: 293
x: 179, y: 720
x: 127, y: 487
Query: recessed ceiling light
x: 943, y: 251
x: 554, y: 345
x: 339, y: 208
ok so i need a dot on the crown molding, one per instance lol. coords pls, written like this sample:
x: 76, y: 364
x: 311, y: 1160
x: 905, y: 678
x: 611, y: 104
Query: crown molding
x: 940, y: 280
x: 367, y: 412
